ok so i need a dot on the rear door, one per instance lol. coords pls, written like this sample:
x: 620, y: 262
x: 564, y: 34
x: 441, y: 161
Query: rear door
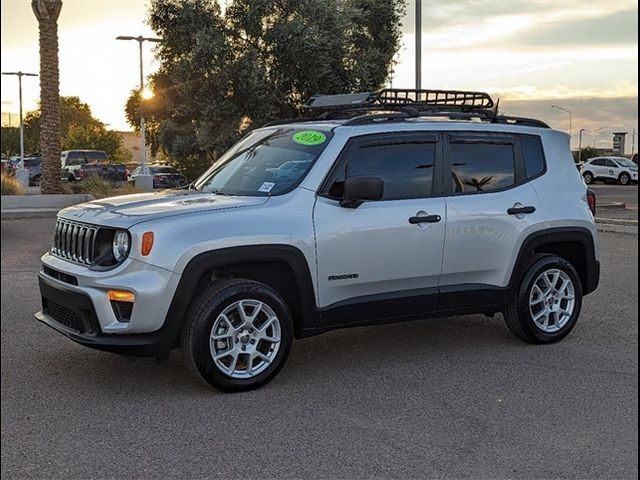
x: 490, y: 205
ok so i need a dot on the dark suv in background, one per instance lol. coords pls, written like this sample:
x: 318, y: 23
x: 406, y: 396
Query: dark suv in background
x: 72, y: 160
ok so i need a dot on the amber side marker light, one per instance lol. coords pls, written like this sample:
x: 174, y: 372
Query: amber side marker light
x: 121, y: 296
x: 147, y: 243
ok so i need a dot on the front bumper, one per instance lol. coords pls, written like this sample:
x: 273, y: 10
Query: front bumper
x: 72, y: 313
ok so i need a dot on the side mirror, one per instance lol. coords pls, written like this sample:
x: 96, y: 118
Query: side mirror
x: 360, y: 189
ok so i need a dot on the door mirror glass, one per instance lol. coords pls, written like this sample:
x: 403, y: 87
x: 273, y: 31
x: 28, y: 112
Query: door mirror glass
x: 361, y: 189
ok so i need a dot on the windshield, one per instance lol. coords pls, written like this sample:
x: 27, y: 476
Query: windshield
x: 266, y: 162
x: 625, y: 162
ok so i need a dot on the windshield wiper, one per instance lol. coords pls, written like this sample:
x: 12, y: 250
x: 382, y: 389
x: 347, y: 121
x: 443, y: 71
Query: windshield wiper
x: 219, y: 192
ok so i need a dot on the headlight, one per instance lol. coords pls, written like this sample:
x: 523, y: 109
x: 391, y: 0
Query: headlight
x: 120, y: 246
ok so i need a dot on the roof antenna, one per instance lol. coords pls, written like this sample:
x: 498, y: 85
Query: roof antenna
x: 495, y: 109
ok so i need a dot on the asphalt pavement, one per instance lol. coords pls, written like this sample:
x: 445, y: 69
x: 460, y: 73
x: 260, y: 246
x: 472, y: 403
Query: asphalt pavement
x: 611, y: 194
x: 445, y: 398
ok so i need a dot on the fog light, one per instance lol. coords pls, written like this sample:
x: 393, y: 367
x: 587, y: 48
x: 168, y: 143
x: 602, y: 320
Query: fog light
x: 122, y: 310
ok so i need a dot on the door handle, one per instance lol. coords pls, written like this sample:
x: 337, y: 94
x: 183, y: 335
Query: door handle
x: 521, y: 210
x: 425, y: 219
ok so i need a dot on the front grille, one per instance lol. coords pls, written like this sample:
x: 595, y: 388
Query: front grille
x: 63, y: 315
x: 74, y: 241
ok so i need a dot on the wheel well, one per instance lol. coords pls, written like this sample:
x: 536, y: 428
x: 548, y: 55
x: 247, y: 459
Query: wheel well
x: 572, y: 252
x: 274, y: 273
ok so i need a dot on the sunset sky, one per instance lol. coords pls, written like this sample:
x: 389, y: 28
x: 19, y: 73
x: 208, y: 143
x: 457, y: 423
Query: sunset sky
x: 530, y: 53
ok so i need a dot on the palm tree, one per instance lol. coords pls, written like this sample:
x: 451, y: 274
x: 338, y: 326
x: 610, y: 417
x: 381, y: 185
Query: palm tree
x: 47, y: 13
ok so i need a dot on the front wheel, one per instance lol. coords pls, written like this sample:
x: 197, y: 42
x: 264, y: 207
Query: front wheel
x: 548, y: 302
x: 588, y: 178
x: 624, y: 179
x: 238, y: 335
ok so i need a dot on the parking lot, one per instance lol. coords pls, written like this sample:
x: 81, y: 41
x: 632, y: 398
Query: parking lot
x: 457, y: 397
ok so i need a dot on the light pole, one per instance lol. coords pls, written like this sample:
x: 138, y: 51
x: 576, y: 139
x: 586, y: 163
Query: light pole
x: 143, y: 143
x: 418, y: 44
x: 580, y: 146
x: 20, y: 75
x: 595, y: 132
x: 570, y: 112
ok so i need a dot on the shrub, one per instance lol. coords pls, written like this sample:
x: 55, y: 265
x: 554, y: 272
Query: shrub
x: 10, y: 185
x: 101, y: 187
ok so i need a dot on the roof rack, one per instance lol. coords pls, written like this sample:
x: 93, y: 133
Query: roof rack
x: 401, y: 104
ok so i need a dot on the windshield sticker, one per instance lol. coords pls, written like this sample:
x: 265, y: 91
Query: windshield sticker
x: 309, y: 137
x: 266, y: 187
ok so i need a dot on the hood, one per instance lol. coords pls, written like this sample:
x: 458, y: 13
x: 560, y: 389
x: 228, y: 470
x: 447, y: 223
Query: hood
x: 127, y: 210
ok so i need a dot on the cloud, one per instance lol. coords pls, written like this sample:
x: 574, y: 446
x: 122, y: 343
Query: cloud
x: 620, y: 28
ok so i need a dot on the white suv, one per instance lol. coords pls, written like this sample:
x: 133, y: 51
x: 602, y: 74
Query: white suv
x: 396, y: 216
x: 611, y: 169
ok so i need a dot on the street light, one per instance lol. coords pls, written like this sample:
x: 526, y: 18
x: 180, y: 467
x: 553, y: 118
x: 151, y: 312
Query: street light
x: 418, y: 45
x: 143, y: 160
x: 20, y: 75
x: 595, y: 132
x: 570, y: 116
x: 580, y: 146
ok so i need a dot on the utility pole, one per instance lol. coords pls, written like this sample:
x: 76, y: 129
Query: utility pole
x: 633, y: 142
x: 145, y: 180
x: 20, y: 75
x: 570, y: 112
x: 580, y: 146
x: 595, y: 133
x: 418, y: 44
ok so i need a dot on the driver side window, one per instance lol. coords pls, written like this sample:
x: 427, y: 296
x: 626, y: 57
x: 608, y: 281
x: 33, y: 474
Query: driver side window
x: 406, y: 167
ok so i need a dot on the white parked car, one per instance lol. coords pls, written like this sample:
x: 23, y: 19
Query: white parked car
x: 395, y: 216
x: 609, y: 169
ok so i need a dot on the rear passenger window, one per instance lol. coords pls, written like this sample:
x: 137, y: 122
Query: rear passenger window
x: 482, y: 167
x: 532, y: 154
x: 405, y: 166
x: 75, y: 158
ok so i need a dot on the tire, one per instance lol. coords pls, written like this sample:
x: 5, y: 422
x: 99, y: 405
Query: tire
x: 588, y: 178
x: 624, y: 179
x: 519, y: 316
x: 36, y: 181
x: 222, y: 301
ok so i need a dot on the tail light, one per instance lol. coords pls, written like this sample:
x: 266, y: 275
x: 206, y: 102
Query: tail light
x: 82, y: 173
x: 157, y: 178
x: 591, y: 200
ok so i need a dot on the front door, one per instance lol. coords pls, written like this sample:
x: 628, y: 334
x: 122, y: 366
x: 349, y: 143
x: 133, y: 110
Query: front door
x: 388, y: 249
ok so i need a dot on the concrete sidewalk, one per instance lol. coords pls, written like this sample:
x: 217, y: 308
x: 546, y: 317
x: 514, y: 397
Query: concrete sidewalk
x: 38, y: 206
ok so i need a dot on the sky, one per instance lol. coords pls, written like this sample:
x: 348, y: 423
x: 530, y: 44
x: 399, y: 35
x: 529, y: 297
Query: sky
x: 582, y: 56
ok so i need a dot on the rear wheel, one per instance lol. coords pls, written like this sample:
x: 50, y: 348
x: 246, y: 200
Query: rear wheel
x: 588, y: 177
x: 548, y: 302
x: 624, y: 179
x: 35, y: 181
x: 238, y: 335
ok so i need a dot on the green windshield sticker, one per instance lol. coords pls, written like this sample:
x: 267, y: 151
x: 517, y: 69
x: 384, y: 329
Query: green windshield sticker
x: 309, y: 137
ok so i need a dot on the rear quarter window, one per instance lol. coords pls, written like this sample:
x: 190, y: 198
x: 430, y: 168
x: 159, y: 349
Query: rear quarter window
x: 533, y: 155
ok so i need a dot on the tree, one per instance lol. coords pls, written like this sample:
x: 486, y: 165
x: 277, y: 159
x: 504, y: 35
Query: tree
x: 47, y: 13
x: 587, y: 153
x: 221, y: 74
x: 78, y: 129
x: 10, y: 141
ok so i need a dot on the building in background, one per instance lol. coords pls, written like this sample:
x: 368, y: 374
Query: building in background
x: 131, y: 141
x: 618, y: 142
x: 10, y: 119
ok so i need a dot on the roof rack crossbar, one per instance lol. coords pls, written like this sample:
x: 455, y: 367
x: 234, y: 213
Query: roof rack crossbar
x: 400, y: 104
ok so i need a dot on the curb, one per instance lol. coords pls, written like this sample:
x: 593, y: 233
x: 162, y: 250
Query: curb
x: 613, y: 205
x: 17, y: 213
x: 610, y: 227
